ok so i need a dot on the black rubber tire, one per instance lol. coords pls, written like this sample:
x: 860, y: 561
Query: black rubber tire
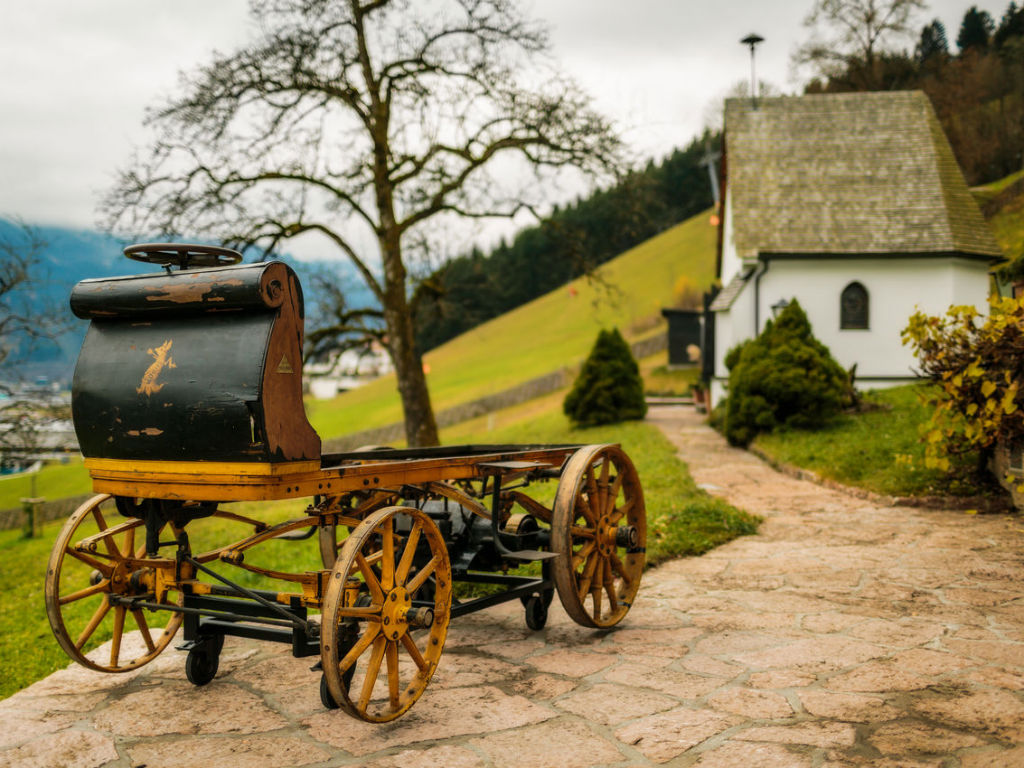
x: 325, y: 695
x: 536, y: 613
x: 201, y: 666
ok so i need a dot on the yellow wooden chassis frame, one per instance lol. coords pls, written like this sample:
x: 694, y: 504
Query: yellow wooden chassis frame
x: 256, y: 481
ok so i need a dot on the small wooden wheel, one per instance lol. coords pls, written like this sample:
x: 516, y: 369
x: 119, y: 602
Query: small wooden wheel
x: 87, y: 567
x: 386, y: 606
x: 599, y: 528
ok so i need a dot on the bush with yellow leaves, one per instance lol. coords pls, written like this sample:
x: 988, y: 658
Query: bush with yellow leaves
x: 977, y: 363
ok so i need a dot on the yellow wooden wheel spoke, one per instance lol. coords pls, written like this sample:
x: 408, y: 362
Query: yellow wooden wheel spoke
x: 602, y: 485
x: 587, y: 579
x: 115, y: 642
x: 140, y: 620
x: 86, y: 592
x: 369, y: 612
x: 393, y: 685
x: 387, y: 563
x: 584, y: 552
x: 620, y: 569
x: 101, y: 523
x: 129, y: 542
x: 370, y: 578
x: 360, y: 646
x: 372, y: 671
x: 94, y: 622
x: 613, y: 494
x: 609, y: 587
x: 105, y: 568
x: 402, y: 572
x: 593, y: 497
x: 581, y: 533
x: 422, y: 575
x: 595, y: 593
x: 414, y: 652
x: 618, y: 513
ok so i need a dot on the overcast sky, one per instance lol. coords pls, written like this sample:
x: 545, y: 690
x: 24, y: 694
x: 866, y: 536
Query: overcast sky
x: 77, y: 76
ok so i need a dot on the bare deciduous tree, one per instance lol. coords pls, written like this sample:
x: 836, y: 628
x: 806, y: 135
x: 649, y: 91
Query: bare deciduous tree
x: 361, y: 121
x: 23, y: 318
x: 850, y: 35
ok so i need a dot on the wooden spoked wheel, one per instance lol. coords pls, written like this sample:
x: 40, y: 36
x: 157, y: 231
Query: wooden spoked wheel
x: 599, y: 528
x: 99, y: 555
x: 385, y: 614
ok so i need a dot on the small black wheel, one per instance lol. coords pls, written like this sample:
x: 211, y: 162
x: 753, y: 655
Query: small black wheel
x: 536, y: 612
x: 203, y: 660
x: 325, y: 695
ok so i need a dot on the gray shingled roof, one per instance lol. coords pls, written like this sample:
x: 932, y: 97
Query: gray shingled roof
x: 848, y: 173
x: 728, y: 294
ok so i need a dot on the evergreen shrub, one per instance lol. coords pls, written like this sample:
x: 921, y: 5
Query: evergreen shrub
x: 783, y: 378
x: 608, y: 388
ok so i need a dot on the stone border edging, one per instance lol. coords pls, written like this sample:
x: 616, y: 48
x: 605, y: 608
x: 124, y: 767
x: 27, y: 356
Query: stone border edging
x: 980, y: 503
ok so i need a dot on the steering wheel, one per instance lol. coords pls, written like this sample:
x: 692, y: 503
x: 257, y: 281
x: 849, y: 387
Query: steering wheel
x: 183, y: 255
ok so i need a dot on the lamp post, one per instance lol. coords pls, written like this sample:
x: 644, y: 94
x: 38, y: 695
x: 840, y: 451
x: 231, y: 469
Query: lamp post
x: 752, y: 40
x: 778, y: 306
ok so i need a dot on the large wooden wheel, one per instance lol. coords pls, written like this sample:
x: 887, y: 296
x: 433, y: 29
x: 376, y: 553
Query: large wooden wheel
x: 599, y: 528
x: 97, y: 556
x: 386, y: 609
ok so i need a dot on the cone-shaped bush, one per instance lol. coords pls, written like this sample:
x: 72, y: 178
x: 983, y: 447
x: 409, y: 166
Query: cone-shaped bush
x: 784, y: 377
x: 609, y: 387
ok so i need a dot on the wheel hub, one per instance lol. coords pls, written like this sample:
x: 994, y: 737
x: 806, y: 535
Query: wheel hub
x: 394, y: 613
x: 606, y: 536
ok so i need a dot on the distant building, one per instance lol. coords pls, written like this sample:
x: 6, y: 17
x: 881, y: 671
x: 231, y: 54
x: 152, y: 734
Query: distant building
x: 854, y: 205
x: 348, y: 370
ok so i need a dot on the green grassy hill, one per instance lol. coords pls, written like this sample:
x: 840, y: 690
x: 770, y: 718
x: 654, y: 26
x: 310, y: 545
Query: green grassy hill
x: 539, y: 337
x: 1002, y: 202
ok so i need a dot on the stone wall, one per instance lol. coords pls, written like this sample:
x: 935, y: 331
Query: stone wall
x: 49, y: 510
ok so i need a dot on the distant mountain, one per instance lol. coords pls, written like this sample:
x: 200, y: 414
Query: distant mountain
x: 71, y: 255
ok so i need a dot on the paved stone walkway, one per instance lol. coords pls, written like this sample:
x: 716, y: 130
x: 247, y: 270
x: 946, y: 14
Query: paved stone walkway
x: 843, y: 634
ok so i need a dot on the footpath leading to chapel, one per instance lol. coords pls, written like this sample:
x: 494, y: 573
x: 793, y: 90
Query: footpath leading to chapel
x: 844, y: 634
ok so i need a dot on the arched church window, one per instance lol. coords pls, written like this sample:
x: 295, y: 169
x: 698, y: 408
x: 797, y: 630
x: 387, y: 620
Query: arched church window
x: 853, y: 307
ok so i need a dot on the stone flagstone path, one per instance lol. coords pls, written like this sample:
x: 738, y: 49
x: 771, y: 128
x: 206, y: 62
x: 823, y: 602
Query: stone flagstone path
x: 843, y: 634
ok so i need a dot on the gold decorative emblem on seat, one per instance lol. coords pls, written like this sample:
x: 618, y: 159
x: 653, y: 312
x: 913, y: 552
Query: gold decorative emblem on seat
x: 161, y: 360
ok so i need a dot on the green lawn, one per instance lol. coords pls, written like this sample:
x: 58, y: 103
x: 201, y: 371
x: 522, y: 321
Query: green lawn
x: 53, y: 481
x: 879, y: 450
x: 552, y: 331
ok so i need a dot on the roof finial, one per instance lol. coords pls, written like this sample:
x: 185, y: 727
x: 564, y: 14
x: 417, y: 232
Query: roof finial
x: 752, y: 40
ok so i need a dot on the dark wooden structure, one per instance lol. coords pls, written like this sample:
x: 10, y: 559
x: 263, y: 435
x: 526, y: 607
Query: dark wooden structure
x: 684, y: 331
x: 187, y: 402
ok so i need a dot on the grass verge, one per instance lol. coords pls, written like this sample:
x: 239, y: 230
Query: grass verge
x: 53, y: 481
x: 879, y: 450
